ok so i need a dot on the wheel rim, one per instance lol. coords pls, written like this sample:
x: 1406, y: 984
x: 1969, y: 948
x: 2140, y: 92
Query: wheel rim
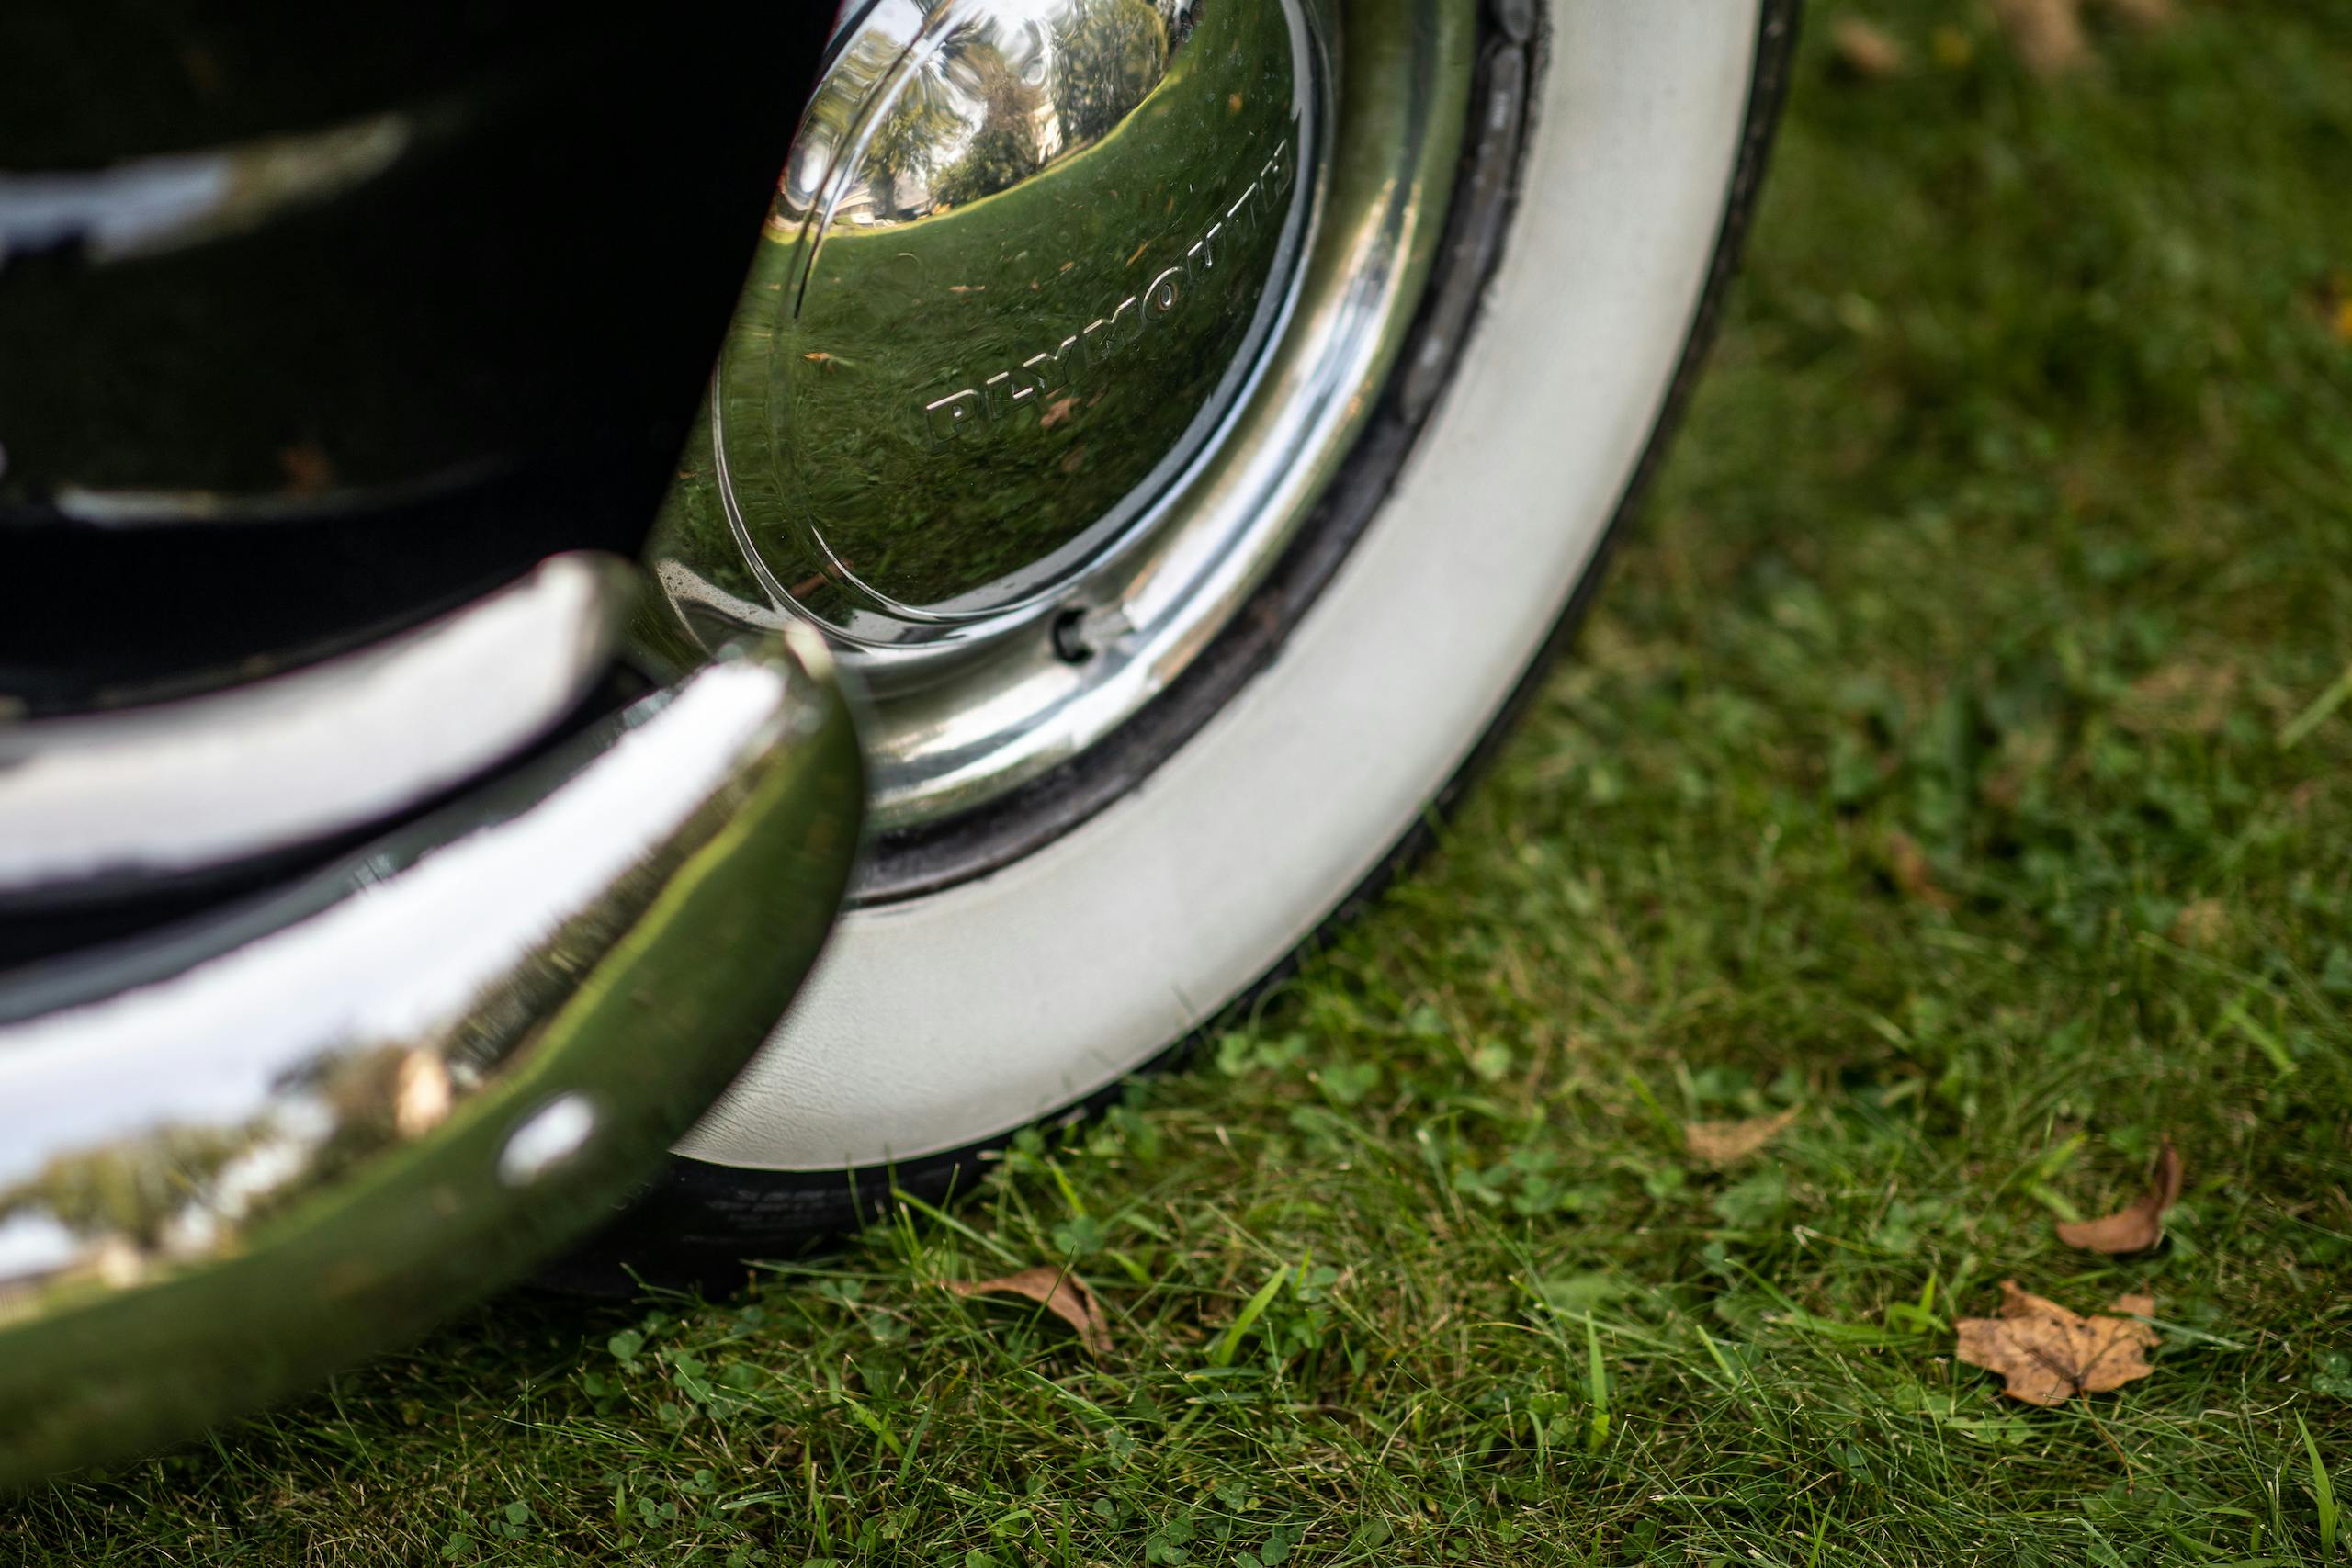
x: 970, y: 701
x: 938, y: 1022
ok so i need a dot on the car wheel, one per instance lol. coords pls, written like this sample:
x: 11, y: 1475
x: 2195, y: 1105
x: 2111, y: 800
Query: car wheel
x: 1173, y: 630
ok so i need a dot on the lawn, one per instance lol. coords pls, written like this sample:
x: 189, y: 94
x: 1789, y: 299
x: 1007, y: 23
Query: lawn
x: 1955, y: 760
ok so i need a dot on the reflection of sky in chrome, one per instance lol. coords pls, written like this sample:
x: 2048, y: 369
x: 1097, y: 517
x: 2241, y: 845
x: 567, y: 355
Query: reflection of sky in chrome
x: 33, y: 1241
x: 938, y: 59
x: 1015, y: 30
x: 902, y: 20
x: 310, y: 753
x: 396, y: 963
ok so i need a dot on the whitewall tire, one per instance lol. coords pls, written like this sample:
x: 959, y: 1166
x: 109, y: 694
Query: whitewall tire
x: 942, y: 1023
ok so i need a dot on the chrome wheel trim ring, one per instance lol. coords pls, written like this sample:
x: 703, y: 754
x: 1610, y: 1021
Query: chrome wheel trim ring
x: 941, y: 1022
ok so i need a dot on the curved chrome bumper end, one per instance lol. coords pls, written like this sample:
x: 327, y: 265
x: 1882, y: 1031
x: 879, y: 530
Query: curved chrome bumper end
x: 236, y: 1156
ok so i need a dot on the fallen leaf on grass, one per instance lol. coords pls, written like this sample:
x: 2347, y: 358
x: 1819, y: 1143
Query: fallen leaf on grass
x: 2138, y: 1227
x: 1908, y: 866
x: 2147, y: 15
x: 2203, y: 923
x: 1060, y: 1292
x: 1720, y: 1144
x: 2047, y: 34
x: 1868, y: 50
x: 2049, y: 1355
x: 2181, y: 698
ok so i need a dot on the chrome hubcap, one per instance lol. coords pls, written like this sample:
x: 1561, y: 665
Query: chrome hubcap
x: 1065, y: 313
x: 1024, y: 259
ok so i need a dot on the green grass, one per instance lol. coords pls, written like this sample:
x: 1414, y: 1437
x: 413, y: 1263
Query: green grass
x: 2013, y: 526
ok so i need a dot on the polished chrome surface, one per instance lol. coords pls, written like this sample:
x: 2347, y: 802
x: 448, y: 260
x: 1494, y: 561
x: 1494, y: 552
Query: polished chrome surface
x: 149, y: 205
x: 106, y: 803
x: 235, y: 1156
x: 1022, y: 262
x: 1013, y: 694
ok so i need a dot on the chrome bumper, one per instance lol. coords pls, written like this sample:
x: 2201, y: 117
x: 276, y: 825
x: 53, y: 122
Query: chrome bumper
x: 240, y: 1153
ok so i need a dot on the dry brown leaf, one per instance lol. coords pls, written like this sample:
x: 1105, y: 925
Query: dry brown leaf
x: 2049, y: 1355
x: 1911, y: 872
x: 1720, y: 1144
x: 2141, y: 1225
x: 1060, y: 1292
x: 1868, y: 50
x: 2147, y: 15
x: 2203, y: 923
x: 2047, y: 34
x: 2182, y: 698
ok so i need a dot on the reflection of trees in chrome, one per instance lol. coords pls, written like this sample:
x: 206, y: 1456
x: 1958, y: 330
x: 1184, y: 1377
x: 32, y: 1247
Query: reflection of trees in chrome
x: 990, y: 101
x: 902, y: 155
x: 1010, y: 143
x: 1180, y: 18
x: 1111, y: 55
x: 131, y: 1190
x: 180, y: 1191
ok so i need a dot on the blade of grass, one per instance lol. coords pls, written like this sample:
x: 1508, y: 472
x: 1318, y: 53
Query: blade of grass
x: 1222, y: 1354
x: 2311, y: 718
x: 2322, y: 1492
x: 1597, y: 1383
